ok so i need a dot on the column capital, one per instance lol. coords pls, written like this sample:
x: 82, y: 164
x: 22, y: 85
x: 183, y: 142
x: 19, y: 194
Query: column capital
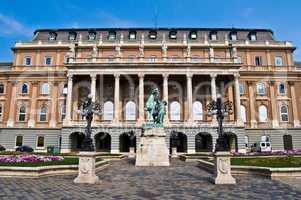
x: 272, y: 82
x: 93, y: 76
x: 14, y: 82
x: 236, y: 76
x: 34, y: 83
x: 213, y: 75
x: 70, y: 77
x: 250, y: 83
x: 117, y: 75
x: 291, y: 83
x: 189, y: 75
x: 141, y: 75
x: 55, y: 83
x: 165, y: 75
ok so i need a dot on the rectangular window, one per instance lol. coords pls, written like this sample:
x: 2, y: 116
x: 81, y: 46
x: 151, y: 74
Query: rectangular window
x: 22, y: 117
x: 213, y: 37
x: 27, y: 61
x: 152, y: 59
x: 48, y: 60
x: 40, y: 141
x: 19, y: 140
x: 278, y: 61
x: 258, y: 61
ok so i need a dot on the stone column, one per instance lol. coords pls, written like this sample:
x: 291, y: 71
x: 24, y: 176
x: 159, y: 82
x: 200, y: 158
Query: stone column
x: 211, y: 54
x: 33, y: 105
x: 213, y: 94
x: 67, y: 120
x: 189, y: 96
x: 54, y: 109
x: 116, y: 98
x: 237, y: 101
x: 294, y: 104
x: 275, y: 121
x: 93, y: 87
x: 12, y: 107
x: 165, y: 96
x: 231, y: 99
x: 141, y: 98
x: 252, y: 105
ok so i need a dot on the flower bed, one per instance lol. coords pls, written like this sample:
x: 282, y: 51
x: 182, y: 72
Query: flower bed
x: 274, y: 153
x: 27, y: 158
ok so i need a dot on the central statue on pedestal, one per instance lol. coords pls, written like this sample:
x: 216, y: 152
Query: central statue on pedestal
x: 152, y: 150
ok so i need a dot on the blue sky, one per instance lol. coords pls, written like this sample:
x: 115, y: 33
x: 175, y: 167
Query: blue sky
x: 19, y: 18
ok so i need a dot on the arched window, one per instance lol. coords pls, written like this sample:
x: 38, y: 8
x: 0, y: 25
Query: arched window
x: 24, y: 88
x: 108, y: 111
x: 43, y: 113
x: 130, y: 111
x: 281, y: 88
x: 260, y: 88
x: 22, y: 113
x: 243, y: 113
x: 284, y: 113
x: 197, y: 110
x: 1, y: 88
x: 45, y: 88
x: 263, y: 113
x: 175, y: 111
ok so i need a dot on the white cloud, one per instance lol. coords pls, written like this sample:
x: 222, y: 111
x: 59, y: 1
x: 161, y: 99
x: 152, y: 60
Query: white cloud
x: 114, y: 21
x: 10, y: 26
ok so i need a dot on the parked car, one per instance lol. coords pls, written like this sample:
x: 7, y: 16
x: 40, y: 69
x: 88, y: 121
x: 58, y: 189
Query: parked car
x: 2, y: 148
x: 24, y: 149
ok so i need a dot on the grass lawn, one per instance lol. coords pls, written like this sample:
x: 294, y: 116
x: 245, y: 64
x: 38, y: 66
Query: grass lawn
x: 276, y: 162
x: 66, y: 161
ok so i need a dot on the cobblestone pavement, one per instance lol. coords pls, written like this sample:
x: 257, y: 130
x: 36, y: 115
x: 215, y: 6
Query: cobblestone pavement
x: 122, y: 180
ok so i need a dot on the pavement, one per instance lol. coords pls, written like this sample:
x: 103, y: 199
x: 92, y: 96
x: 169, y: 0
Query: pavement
x: 122, y: 180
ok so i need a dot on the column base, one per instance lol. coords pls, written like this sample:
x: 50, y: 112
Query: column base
x: 297, y: 124
x: 174, y: 152
x: 65, y: 150
x: 31, y: 123
x: 240, y: 123
x: 132, y: 152
x: 275, y: 124
x: 191, y: 151
x: 86, y: 168
x: 10, y: 123
x: 52, y: 123
x: 115, y: 151
x: 253, y: 124
x: 222, y: 169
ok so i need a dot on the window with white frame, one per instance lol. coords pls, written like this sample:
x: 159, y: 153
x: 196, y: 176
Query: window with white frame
x: 27, y: 60
x: 72, y: 36
x: 67, y: 59
x: 284, y: 113
x: 2, y: 88
x: 24, y: 88
x: 239, y: 60
x: 241, y: 89
x: 253, y: 36
x: 112, y: 35
x: 258, y: 60
x: 173, y: 35
x: 63, y: 112
x: 108, y: 111
x: 243, y: 113
x: 132, y: 35
x: 22, y: 113
x: 43, y: 113
x: 278, y: 61
x: 152, y: 58
x: 19, y: 140
x: 233, y: 36
x: 246, y: 140
x: 263, y: 113
x: 260, y: 88
x: 130, y: 111
x: 52, y: 36
x: 45, y: 89
x: 40, y: 141
x: 213, y: 36
x: 152, y: 35
x: 175, y: 111
x: 48, y: 60
x: 281, y: 88
x: 197, y: 108
x: 193, y: 35
x: 92, y: 35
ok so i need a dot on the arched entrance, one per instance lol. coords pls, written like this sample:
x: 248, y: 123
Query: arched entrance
x: 178, y: 140
x: 203, y: 142
x: 232, y: 142
x: 127, y: 140
x: 102, y: 142
x: 76, y: 140
x: 287, y: 142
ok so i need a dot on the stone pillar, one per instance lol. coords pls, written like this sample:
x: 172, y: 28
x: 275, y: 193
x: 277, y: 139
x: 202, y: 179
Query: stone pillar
x: 67, y: 119
x: 54, y: 109
x: 213, y: 94
x: 141, y: 98
x: 33, y: 105
x: 116, y: 98
x: 86, y: 168
x: 222, y: 168
x: 38, y: 59
x: 252, y: 105
x: 294, y: 104
x: 189, y: 96
x: 190, y: 143
x: 275, y: 121
x: 237, y: 101
x: 12, y: 107
x: 231, y: 99
x: 114, y: 143
x: 165, y: 96
x: 211, y: 54
x: 93, y: 87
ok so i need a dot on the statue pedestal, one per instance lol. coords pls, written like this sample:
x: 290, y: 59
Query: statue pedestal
x: 152, y: 150
x: 222, y: 168
x: 86, y: 168
x: 174, y: 153
x: 132, y: 152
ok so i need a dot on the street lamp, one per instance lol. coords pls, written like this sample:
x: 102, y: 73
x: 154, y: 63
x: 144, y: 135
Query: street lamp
x: 221, y: 109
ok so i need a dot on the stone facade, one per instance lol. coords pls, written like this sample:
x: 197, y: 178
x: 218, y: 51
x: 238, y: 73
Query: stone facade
x: 42, y: 89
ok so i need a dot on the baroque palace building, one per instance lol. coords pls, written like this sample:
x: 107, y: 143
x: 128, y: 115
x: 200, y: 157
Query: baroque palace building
x: 42, y: 89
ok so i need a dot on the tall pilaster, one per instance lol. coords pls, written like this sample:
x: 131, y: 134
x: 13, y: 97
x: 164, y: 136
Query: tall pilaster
x: 67, y: 119
x: 93, y: 87
x: 294, y: 104
x: 231, y: 99
x: 213, y: 94
x: 12, y: 107
x: 141, y: 98
x: 189, y: 96
x: 165, y: 96
x: 275, y: 121
x: 252, y: 104
x: 237, y: 101
x: 33, y: 105
x: 116, y: 98
x: 54, y: 109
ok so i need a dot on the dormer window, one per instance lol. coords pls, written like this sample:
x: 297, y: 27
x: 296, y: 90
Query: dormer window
x: 92, y: 35
x: 132, y: 35
x: 233, y: 36
x: 72, y: 36
x: 213, y: 36
x: 52, y: 36
x: 252, y: 36
x: 112, y: 35
x: 152, y: 35
x: 173, y: 35
x: 193, y: 35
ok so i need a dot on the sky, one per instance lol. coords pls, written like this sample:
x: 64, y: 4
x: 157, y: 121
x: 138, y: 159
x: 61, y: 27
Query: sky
x: 19, y: 18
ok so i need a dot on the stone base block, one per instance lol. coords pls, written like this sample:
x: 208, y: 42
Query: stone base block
x: 132, y: 152
x: 222, y: 169
x: 86, y: 168
x: 152, y: 150
x: 174, y: 152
